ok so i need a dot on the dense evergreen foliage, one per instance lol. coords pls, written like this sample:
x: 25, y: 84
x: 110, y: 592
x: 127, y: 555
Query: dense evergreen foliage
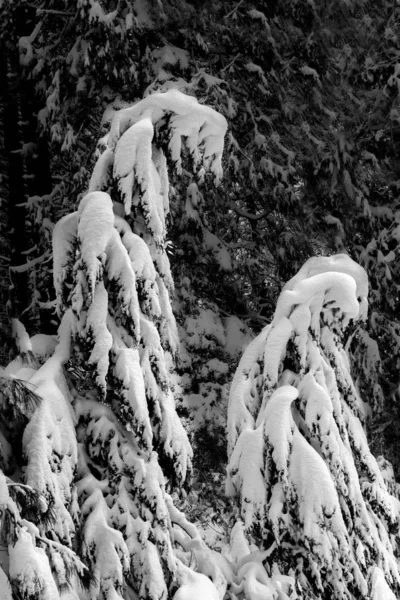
x: 310, y: 93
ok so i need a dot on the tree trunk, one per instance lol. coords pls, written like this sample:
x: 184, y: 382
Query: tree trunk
x: 6, y: 243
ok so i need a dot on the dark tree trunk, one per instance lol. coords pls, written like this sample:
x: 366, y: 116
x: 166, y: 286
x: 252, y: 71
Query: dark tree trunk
x: 10, y: 189
x: 14, y: 209
x: 25, y: 171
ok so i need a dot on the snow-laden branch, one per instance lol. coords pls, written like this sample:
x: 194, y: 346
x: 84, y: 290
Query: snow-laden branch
x: 132, y: 158
x: 202, y: 127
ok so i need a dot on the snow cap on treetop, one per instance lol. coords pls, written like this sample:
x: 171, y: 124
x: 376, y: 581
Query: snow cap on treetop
x: 337, y: 280
x: 200, y: 125
x: 341, y: 263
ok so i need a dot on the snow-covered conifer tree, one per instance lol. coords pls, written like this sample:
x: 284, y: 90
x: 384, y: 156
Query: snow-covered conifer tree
x: 105, y: 441
x: 308, y: 487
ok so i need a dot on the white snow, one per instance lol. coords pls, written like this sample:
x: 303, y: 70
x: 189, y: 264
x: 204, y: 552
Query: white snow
x: 118, y: 316
x: 142, y: 13
x: 21, y: 336
x: 316, y: 492
x: 219, y: 251
x: 139, y: 255
x: 102, y: 171
x: 244, y: 400
x: 275, y: 348
x: 95, y: 228
x: 104, y: 546
x: 168, y: 328
x: 279, y: 424
x: 245, y: 474
x: 49, y: 442
x: 238, y: 335
x: 64, y: 234
x: 340, y: 263
x: 96, y: 13
x: 340, y: 290
x: 133, y: 166
x: 255, y: 583
x: 199, y: 124
x: 128, y: 371
x: 194, y: 586
x: 43, y: 345
x: 96, y: 325
x: 205, y: 330
x: 238, y: 545
x: 176, y: 443
x: 4, y: 495
x: 5, y: 588
x: 161, y: 178
x: 120, y: 269
x: 313, y: 455
x: 170, y: 55
x: 379, y: 587
x: 29, y: 566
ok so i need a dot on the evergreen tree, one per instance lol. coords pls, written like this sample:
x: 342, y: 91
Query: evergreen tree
x: 312, y: 158
x: 106, y: 440
x: 308, y: 487
x: 310, y: 93
x: 313, y: 138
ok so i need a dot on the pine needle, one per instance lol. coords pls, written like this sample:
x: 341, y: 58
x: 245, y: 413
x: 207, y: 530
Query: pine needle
x: 19, y: 396
x: 33, y: 506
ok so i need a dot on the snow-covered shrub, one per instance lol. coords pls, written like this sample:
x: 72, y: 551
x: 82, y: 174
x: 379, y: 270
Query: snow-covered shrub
x: 308, y: 487
x: 37, y: 491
